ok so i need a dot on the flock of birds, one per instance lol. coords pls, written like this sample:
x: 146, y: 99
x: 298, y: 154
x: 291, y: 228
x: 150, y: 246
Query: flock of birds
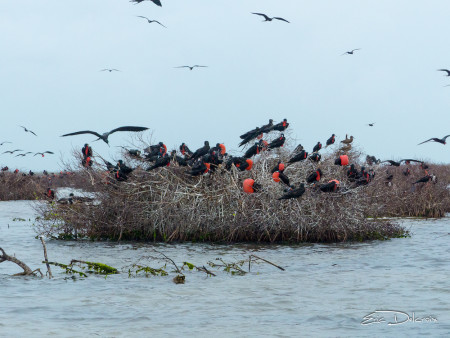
x: 206, y: 159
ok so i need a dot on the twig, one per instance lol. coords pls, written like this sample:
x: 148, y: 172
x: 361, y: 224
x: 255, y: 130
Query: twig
x: 279, y: 267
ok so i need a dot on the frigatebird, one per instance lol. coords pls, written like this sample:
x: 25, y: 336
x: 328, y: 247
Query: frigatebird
x: 110, y: 70
x: 294, y: 192
x: 24, y: 154
x: 397, y: 164
x: 278, y: 142
x: 351, y: 51
x: 45, y: 152
x: 445, y: 70
x: 371, y: 124
x: 150, y: 21
x: 270, y: 19
x: 331, y: 140
x: 201, y: 151
x: 29, y: 131
x: 435, y: 139
x: 156, y: 2
x: 317, y: 147
x: 12, y: 152
x: 281, y: 126
x: 104, y: 136
x: 191, y: 67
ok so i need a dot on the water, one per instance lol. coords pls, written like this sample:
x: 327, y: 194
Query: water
x: 326, y: 290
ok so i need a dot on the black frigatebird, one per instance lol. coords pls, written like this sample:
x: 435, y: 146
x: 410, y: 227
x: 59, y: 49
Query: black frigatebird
x: 150, y: 21
x: 270, y: 19
x: 29, y: 131
x: 104, y: 136
x: 435, y: 139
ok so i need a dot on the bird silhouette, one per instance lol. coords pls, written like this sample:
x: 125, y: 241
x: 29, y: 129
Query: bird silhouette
x: 12, y: 152
x: 331, y: 140
x: 24, y: 154
x: 191, y: 67
x: 4, y: 142
x: 156, y: 2
x: 371, y: 124
x: 445, y: 70
x: 110, y: 70
x: 45, y: 152
x: 104, y: 136
x: 435, y: 139
x: 281, y: 126
x: 270, y: 19
x: 28, y: 131
x: 351, y: 51
x: 150, y: 21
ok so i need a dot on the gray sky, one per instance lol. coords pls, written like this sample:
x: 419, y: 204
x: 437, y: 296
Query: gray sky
x: 52, y: 51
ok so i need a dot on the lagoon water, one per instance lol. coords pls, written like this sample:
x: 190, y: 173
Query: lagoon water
x: 326, y: 290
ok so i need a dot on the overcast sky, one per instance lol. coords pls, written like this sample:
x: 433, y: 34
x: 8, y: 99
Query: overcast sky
x: 52, y: 51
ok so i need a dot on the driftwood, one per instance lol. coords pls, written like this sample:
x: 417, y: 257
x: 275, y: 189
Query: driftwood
x: 26, y: 270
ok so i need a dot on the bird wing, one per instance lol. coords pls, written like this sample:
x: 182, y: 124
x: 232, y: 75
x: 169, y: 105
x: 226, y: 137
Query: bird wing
x: 48, y: 152
x: 200, y: 66
x: 431, y: 139
x: 102, y: 70
x: 116, y: 70
x: 144, y: 17
x: 157, y: 2
x: 356, y: 49
x: 445, y: 137
x: 32, y: 132
x: 261, y: 14
x: 410, y: 160
x: 444, y: 70
x: 128, y: 128
x: 38, y: 154
x: 83, y: 132
x: 159, y: 23
x: 182, y: 67
x: 278, y: 18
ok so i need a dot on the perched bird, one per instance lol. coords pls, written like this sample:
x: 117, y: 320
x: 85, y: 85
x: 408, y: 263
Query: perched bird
x: 254, y: 132
x: 267, y: 127
x: 199, y: 169
x: 270, y: 19
x: 191, y: 67
x: 372, y: 160
x: 314, y: 176
x: 347, y: 140
x: 371, y: 124
x: 281, y: 126
x: 253, y: 150
x: 156, y: 2
x: 435, y: 139
x: 294, y: 192
x: 445, y: 70
x: 303, y: 155
x: 184, y: 149
x: 4, y: 142
x: 110, y: 70
x: 317, y: 147
x: 315, y: 157
x: 201, y: 151
x: 29, y: 131
x: 278, y: 142
x: 278, y: 176
x: 45, y: 152
x: 397, y: 164
x: 331, y: 140
x: 426, y: 179
x: 104, y: 136
x: 180, y: 160
x: 161, y: 162
x: 351, y: 52
x: 331, y: 186
x: 150, y: 21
